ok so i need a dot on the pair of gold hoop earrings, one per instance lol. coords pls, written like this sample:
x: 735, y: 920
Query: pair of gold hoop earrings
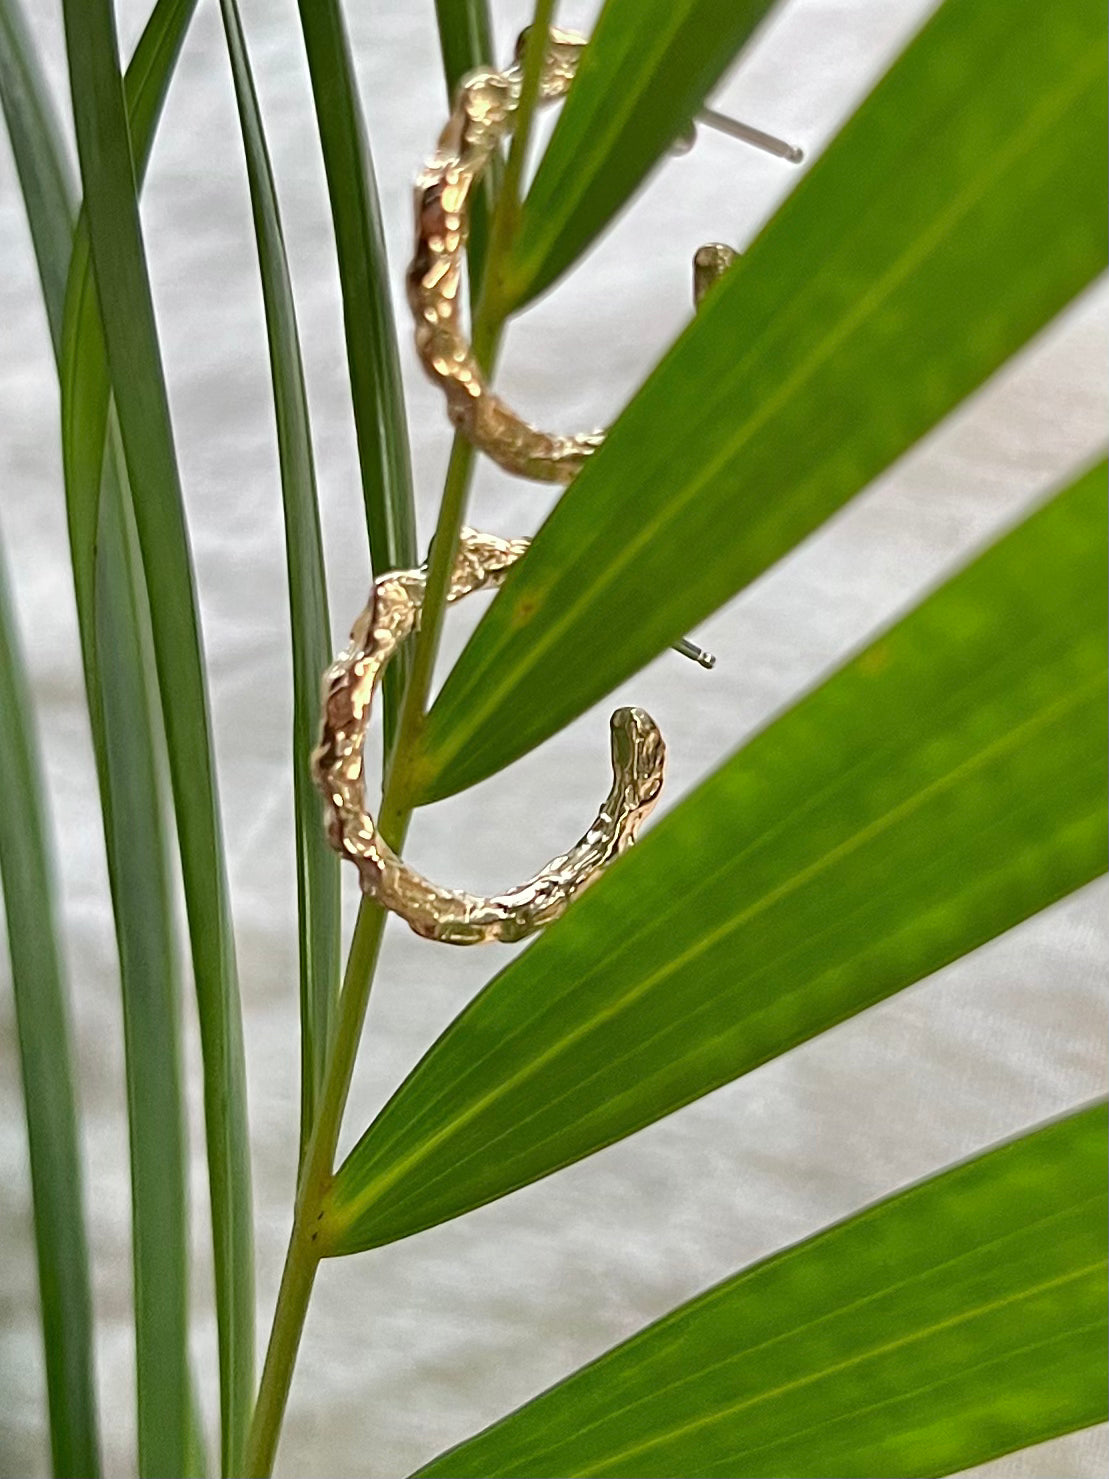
x: 483, y: 115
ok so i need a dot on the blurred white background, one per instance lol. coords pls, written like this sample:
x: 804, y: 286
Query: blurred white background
x: 412, y: 1347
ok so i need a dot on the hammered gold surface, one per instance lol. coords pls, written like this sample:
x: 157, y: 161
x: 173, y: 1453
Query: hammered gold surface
x: 710, y: 262
x: 451, y: 915
x: 484, y: 113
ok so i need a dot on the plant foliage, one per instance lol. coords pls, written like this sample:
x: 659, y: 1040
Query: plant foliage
x: 938, y: 788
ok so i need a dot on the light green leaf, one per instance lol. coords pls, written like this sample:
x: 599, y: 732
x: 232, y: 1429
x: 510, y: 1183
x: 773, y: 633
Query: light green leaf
x: 959, y: 210
x: 137, y: 381
x: 647, y: 70
x: 466, y: 42
x: 42, y: 1020
x: 375, y: 380
x: 318, y: 900
x: 937, y: 789
x: 953, y: 1322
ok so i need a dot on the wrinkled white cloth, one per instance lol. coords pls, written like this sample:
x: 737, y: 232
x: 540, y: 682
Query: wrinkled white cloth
x: 412, y: 1347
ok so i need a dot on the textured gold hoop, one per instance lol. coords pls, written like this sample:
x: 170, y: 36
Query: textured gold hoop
x: 484, y: 113
x: 450, y: 915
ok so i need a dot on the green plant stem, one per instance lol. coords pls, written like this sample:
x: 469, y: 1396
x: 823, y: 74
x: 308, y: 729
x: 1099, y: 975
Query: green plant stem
x: 297, y: 1278
x: 306, y: 1242
x: 304, y: 1252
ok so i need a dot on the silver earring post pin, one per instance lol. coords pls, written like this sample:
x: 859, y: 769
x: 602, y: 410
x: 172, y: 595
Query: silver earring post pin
x: 768, y: 143
x: 694, y: 653
x: 718, y: 257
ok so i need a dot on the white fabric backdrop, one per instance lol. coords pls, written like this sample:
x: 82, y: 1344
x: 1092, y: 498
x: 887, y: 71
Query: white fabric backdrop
x: 412, y: 1347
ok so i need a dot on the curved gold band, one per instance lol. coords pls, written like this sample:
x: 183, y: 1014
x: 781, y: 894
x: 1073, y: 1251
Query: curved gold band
x: 449, y: 915
x: 483, y: 114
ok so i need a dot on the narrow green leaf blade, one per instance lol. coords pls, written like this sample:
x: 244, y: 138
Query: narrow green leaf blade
x: 958, y: 1320
x: 138, y: 384
x: 114, y: 622
x: 949, y: 221
x: 466, y: 42
x: 141, y: 898
x: 42, y: 1021
x: 127, y: 768
x: 375, y: 380
x: 935, y: 791
x: 83, y: 367
x: 196, y: 1456
x: 465, y: 38
x: 318, y: 900
x: 649, y: 67
x: 41, y: 158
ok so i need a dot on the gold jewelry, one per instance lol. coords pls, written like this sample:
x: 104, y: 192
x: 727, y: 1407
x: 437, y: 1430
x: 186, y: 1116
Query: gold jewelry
x: 710, y: 262
x: 450, y: 915
x: 484, y: 113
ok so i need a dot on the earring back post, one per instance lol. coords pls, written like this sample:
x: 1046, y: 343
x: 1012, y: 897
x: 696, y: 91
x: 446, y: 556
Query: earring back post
x: 768, y: 143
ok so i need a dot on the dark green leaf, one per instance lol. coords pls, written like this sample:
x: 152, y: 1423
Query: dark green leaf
x: 137, y: 381
x: 42, y: 1021
x: 466, y: 42
x: 937, y: 789
x: 375, y: 381
x: 956, y: 1321
x: 318, y: 899
x: 648, y: 68
x: 959, y: 210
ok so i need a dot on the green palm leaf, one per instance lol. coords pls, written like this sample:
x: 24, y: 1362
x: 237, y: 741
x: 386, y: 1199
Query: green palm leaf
x: 935, y: 791
x: 649, y: 66
x: 130, y: 339
x: 114, y: 621
x: 41, y: 159
x: 375, y: 382
x: 953, y: 1322
x: 957, y: 212
x: 115, y: 646
x: 42, y: 1020
x: 318, y: 898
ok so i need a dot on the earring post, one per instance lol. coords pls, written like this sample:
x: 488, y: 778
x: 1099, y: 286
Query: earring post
x: 768, y: 143
x: 694, y: 653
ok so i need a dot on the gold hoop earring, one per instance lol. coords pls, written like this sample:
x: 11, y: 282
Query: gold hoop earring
x: 451, y: 915
x: 484, y: 113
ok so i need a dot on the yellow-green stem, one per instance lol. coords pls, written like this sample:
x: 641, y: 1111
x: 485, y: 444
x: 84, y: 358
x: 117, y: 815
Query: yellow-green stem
x: 304, y: 1252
